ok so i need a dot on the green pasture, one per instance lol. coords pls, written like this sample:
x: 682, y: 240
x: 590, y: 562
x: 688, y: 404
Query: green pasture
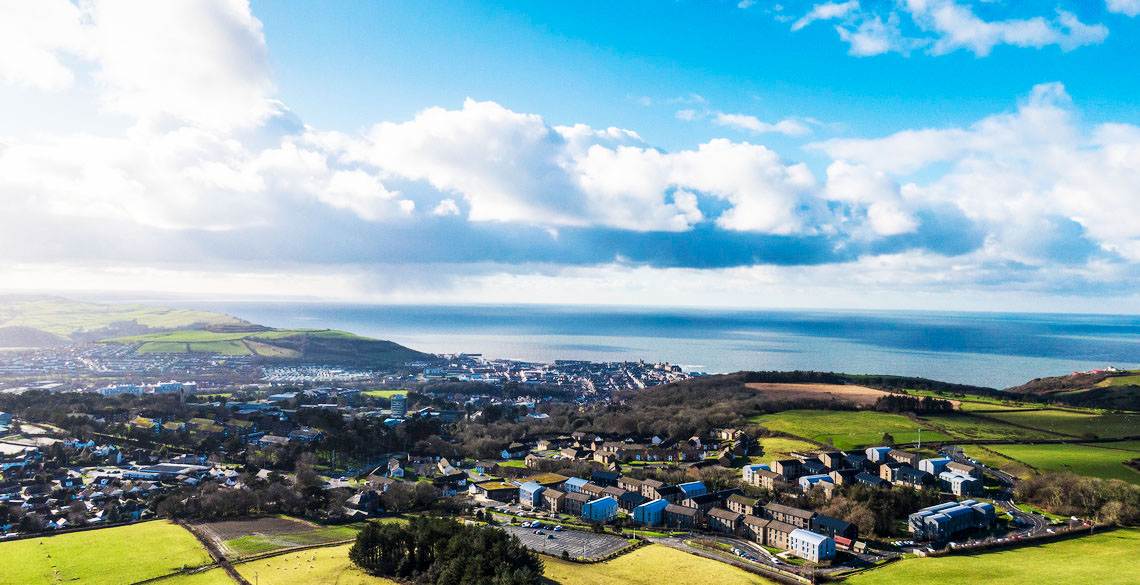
x: 964, y: 426
x: 1108, y: 558
x: 1093, y: 461
x: 1075, y: 424
x: 846, y: 429
x: 111, y: 556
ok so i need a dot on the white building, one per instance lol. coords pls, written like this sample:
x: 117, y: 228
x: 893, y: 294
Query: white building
x: 749, y: 472
x: 117, y: 389
x: 811, y: 546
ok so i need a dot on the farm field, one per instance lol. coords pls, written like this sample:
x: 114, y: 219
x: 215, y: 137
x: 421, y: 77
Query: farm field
x: 1075, y: 424
x: 383, y: 393
x: 846, y: 429
x: 1133, y: 380
x: 650, y: 565
x: 779, y: 448
x: 964, y: 426
x: 319, y: 565
x: 244, y: 537
x: 1103, y: 559
x: 1079, y: 459
x: 859, y: 395
x: 97, y: 557
x: 73, y: 319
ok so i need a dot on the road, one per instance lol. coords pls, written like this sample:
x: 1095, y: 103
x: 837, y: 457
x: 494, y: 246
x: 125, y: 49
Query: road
x: 588, y: 545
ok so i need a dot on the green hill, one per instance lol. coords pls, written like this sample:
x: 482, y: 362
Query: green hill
x: 46, y: 321
x: 295, y: 345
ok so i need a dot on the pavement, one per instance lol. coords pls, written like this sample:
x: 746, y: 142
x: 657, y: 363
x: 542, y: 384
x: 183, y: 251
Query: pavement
x: 579, y: 544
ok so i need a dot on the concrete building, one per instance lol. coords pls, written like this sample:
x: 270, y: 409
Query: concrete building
x: 726, y: 521
x: 399, y: 405
x: 651, y: 513
x: 811, y: 546
x: 573, y: 502
x: 600, y: 510
x: 794, y: 516
x: 680, y: 517
x: 552, y: 499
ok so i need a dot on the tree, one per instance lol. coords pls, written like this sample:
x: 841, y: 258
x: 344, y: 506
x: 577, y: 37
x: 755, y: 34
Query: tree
x: 888, y: 440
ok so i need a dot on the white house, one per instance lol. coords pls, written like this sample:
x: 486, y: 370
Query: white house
x: 811, y: 546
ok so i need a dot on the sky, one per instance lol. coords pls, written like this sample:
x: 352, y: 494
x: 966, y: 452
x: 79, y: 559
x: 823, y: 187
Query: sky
x: 884, y: 154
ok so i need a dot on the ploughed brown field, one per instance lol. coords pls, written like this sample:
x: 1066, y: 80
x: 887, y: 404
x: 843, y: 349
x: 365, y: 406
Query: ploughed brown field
x: 860, y: 395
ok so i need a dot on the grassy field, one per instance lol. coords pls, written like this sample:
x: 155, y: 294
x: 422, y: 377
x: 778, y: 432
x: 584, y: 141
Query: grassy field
x: 650, y: 565
x: 69, y: 318
x: 1076, y: 424
x: 259, y: 543
x: 964, y: 426
x: 846, y: 429
x: 1133, y: 380
x: 329, y: 565
x: 779, y: 448
x: 383, y: 393
x: 1104, y: 559
x: 111, y: 556
x: 1080, y: 459
x: 315, y: 344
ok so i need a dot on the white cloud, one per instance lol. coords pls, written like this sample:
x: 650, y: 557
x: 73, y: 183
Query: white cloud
x: 34, y: 36
x: 753, y: 124
x: 688, y: 115
x: 446, y: 207
x: 872, y: 193
x: 945, y: 26
x: 1127, y: 7
x: 826, y: 11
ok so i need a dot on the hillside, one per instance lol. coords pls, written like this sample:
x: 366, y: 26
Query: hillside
x: 1113, y: 390
x: 300, y: 345
x: 34, y: 321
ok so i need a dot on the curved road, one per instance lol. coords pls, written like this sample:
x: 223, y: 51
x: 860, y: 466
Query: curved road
x: 1032, y: 524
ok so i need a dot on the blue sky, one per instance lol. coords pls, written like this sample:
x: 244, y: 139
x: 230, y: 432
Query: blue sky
x: 943, y: 154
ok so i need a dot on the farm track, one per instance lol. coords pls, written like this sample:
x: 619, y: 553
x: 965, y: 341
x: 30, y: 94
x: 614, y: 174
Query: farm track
x: 216, y: 553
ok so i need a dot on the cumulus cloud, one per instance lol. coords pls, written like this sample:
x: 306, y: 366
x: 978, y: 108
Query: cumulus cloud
x: 945, y: 26
x: 207, y: 169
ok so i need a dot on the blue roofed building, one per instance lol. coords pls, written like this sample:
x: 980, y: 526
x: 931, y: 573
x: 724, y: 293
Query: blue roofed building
x: 651, y: 513
x: 807, y: 481
x: 934, y: 466
x: 530, y: 494
x: 574, y: 485
x: 600, y: 510
x: 749, y: 472
x: 693, y: 489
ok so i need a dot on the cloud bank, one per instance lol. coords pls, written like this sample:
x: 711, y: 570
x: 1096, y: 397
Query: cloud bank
x: 210, y: 178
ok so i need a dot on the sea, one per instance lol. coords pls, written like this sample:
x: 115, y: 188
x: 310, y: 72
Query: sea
x: 996, y: 350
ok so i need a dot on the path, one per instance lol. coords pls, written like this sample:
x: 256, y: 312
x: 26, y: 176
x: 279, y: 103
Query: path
x: 216, y: 554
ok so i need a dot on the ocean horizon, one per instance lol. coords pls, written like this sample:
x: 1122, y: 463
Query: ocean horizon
x: 987, y: 349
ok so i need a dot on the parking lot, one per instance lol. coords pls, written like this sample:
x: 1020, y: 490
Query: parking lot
x: 579, y: 544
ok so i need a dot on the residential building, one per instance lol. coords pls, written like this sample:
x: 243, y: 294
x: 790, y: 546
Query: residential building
x: 748, y: 472
x: 680, y: 517
x: 574, y: 485
x: 650, y: 513
x: 964, y: 468
x: 960, y: 484
x: 777, y: 534
x: 833, y: 527
x: 693, y: 488
x: 877, y: 454
x: 872, y: 480
x: 726, y: 521
x: 811, y: 546
x: 530, y: 494
x: 755, y: 528
x: 789, y: 468
x: 552, y: 499
x: 573, y: 502
x: 600, y: 510
x: 905, y: 457
x: 934, y: 466
x: 629, y: 501
x: 807, y: 481
x: 943, y: 521
x: 789, y: 515
x: 742, y: 504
